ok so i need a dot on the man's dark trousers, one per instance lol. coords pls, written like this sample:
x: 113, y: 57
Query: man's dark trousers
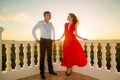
x: 45, y: 45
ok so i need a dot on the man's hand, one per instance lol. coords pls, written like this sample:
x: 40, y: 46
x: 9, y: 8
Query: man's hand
x: 37, y: 41
x: 85, y: 39
x: 53, y: 40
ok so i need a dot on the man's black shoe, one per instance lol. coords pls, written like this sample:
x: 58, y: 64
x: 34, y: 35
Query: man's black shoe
x: 42, y: 76
x: 53, y: 73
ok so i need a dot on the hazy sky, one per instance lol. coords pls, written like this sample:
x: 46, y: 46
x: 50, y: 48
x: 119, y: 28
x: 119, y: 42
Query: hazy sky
x: 99, y: 19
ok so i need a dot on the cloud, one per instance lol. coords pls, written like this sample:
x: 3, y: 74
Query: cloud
x: 4, y: 10
x: 2, y: 18
x: 20, y: 17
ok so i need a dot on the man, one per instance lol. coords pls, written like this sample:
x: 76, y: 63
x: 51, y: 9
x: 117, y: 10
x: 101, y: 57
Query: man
x: 47, y: 35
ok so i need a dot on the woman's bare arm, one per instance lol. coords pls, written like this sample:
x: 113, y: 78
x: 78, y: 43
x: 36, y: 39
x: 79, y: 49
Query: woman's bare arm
x: 62, y: 36
x: 78, y: 35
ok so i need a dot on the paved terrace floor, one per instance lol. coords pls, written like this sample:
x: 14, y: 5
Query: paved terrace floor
x: 61, y: 76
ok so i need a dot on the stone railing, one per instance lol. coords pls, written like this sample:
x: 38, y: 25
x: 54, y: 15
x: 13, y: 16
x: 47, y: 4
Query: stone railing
x: 96, y: 51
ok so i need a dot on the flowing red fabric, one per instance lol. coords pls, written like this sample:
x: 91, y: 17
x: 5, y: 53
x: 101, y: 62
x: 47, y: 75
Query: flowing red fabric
x: 73, y: 53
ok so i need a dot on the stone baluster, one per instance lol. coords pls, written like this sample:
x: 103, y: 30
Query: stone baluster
x: 95, y: 55
x: 17, y: 57
x: 8, y: 53
x: 88, y: 55
x: 113, y: 57
x: 103, y: 56
x: 32, y: 55
x: 25, y: 56
x: 1, y: 30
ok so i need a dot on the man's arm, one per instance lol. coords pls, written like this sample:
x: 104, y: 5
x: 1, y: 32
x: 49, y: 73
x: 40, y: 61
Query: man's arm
x: 34, y: 32
x: 53, y: 33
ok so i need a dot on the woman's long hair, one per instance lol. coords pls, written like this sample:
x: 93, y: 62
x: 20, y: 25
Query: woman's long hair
x: 75, y: 19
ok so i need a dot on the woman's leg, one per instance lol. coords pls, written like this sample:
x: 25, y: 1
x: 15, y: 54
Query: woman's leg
x: 68, y: 71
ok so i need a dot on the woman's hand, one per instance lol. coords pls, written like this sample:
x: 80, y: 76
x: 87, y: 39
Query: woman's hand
x: 58, y: 39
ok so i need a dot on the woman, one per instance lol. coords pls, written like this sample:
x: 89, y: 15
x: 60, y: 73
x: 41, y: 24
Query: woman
x: 73, y: 53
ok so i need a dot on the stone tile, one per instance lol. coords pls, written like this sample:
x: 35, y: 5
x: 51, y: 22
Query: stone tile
x: 61, y: 76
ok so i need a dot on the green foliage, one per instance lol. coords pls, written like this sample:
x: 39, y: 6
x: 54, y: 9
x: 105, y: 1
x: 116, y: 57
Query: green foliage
x: 35, y: 54
x: 118, y: 57
x: 21, y: 55
x: 60, y: 51
x: 3, y: 57
x: 13, y: 57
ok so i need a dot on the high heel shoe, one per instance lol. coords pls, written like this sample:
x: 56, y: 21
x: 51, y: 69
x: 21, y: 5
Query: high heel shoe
x: 68, y: 74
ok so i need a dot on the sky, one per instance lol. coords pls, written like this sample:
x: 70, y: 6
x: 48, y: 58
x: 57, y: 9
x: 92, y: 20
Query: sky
x: 99, y: 19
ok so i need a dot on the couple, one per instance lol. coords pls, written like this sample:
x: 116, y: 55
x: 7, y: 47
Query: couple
x: 73, y: 53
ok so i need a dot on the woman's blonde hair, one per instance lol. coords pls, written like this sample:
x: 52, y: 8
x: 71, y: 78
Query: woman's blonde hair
x: 75, y: 19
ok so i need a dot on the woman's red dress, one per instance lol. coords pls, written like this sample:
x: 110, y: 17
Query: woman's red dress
x: 73, y: 53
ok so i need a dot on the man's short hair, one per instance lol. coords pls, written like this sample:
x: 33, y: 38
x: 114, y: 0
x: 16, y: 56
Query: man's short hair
x: 46, y: 12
